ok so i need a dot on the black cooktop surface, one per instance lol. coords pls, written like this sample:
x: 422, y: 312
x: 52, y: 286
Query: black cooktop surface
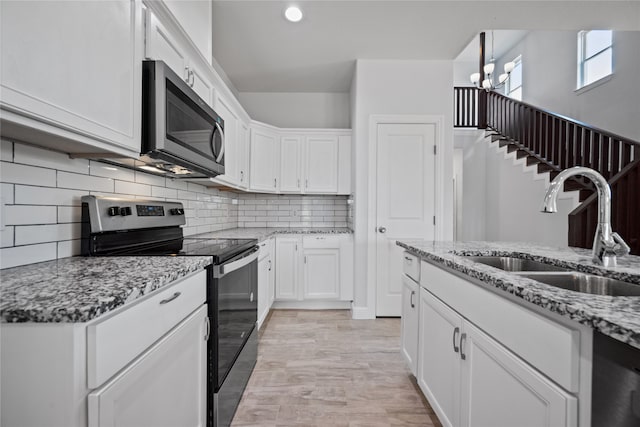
x: 220, y: 249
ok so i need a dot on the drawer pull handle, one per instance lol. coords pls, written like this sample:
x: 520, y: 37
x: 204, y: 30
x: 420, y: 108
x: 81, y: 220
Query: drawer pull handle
x: 455, y: 332
x: 171, y: 298
x: 413, y: 305
x: 408, y: 259
x: 463, y: 338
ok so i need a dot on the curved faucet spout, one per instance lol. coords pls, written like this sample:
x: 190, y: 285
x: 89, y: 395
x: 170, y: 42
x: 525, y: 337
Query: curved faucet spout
x: 606, y: 244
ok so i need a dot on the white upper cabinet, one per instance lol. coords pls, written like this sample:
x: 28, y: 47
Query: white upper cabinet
x: 164, y: 45
x: 291, y: 164
x: 243, y: 154
x: 195, y: 17
x: 265, y: 152
x: 321, y: 164
x: 71, y: 72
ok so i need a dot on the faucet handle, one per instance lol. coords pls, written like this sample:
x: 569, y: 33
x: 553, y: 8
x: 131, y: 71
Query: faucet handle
x: 621, y: 248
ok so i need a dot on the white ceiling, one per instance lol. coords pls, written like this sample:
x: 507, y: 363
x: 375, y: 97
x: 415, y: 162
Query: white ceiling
x: 261, y: 52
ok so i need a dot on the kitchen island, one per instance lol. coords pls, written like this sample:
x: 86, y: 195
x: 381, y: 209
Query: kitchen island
x: 495, y: 347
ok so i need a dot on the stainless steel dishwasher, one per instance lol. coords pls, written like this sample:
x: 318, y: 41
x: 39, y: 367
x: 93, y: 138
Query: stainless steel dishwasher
x: 616, y: 383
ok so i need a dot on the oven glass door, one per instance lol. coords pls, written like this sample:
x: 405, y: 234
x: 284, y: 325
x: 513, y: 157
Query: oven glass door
x: 236, y: 314
x: 191, y: 127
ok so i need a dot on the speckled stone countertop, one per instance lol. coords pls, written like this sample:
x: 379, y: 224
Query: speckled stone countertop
x: 79, y: 289
x: 265, y: 233
x: 617, y: 317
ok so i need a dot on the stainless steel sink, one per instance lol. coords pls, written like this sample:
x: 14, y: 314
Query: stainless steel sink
x: 514, y: 264
x: 586, y: 283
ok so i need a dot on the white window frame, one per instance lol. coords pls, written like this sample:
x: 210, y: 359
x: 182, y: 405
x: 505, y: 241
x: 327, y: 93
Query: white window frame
x: 509, y: 89
x: 582, y: 59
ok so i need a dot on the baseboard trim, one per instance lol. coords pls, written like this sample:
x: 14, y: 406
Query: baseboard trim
x: 312, y: 305
x: 362, y: 313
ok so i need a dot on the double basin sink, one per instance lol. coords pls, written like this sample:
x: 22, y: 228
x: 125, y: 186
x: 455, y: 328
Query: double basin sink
x: 560, y: 277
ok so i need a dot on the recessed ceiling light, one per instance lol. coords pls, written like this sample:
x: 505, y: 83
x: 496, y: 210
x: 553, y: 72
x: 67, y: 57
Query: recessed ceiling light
x: 293, y: 14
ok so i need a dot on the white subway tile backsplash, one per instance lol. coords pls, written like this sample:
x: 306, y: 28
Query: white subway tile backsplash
x: 68, y: 248
x: 6, y: 193
x: 6, y: 150
x: 132, y: 188
x: 29, y: 195
x: 21, y: 255
x: 167, y: 193
x: 107, y: 170
x: 6, y: 237
x: 24, y: 174
x: 35, y: 156
x: 176, y: 183
x: 145, y: 178
x: 68, y: 214
x: 77, y: 181
x: 26, y: 214
x: 30, y: 234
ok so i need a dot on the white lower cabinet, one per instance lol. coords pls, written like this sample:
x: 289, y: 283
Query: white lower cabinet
x: 266, y: 280
x: 164, y: 386
x: 409, y: 323
x: 472, y: 380
x: 314, y: 269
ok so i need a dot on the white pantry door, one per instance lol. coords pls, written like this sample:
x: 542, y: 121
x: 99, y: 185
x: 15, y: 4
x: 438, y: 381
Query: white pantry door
x: 405, y: 202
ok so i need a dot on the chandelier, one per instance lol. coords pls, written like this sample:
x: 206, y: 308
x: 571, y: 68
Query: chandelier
x: 487, y: 82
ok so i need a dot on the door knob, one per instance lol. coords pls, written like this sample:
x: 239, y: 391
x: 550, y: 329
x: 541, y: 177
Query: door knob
x: 382, y: 229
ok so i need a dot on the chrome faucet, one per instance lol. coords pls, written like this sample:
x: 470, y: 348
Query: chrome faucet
x: 606, y: 244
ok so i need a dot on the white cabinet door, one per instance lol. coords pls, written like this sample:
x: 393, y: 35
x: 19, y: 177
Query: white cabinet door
x: 321, y: 164
x: 230, y: 118
x: 287, y: 268
x: 263, y: 288
x: 160, y: 44
x: 409, y: 323
x: 501, y: 390
x: 321, y: 274
x: 290, y: 164
x: 438, y: 357
x: 243, y: 154
x: 163, y: 387
x: 264, y: 161
x: 272, y: 270
x: 74, y: 67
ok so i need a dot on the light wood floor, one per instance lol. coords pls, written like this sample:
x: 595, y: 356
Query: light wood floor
x: 320, y: 368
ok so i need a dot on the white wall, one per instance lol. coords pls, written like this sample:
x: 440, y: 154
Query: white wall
x: 394, y: 87
x: 502, y: 197
x: 298, y: 110
x: 549, y: 67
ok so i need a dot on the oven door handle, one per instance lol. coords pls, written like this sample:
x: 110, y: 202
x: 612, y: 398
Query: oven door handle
x: 224, y: 269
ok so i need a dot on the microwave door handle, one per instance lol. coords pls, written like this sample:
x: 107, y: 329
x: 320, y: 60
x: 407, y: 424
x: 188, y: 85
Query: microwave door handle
x: 219, y: 158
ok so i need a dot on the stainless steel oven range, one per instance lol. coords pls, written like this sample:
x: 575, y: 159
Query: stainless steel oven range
x: 134, y: 227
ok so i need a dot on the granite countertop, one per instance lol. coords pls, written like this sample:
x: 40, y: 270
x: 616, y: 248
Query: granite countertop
x: 79, y: 289
x: 265, y: 232
x: 617, y: 317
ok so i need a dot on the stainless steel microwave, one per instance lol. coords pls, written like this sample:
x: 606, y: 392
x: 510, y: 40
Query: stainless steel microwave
x: 182, y: 135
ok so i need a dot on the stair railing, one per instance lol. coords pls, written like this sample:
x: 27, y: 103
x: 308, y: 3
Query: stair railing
x: 564, y: 143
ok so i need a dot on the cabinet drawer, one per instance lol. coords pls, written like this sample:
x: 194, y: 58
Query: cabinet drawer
x: 117, y: 338
x: 550, y: 347
x: 411, y: 266
x: 321, y: 242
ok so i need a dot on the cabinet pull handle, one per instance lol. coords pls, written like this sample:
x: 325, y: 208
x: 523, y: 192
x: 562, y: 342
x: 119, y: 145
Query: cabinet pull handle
x: 306, y: 183
x: 305, y: 259
x: 275, y: 182
x: 193, y: 78
x: 208, y: 325
x: 463, y: 338
x: 455, y: 332
x: 269, y: 265
x: 298, y: 182
x: 186, y: 70
x: 171, y: 298
x: 412, y: 304
x: 408, y: 259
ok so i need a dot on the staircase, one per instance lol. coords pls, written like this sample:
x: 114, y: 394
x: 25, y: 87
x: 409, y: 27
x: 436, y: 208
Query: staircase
x: 553, y: 143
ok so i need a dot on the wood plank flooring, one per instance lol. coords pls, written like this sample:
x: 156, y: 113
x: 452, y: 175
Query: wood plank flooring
x: 320, y: 368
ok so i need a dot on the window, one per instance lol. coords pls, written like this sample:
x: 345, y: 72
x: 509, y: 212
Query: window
x: 595, y: 56
x: 514, y: 84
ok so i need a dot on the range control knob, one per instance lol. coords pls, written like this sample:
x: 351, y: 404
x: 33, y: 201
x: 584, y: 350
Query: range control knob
x: 113, y: 211
x: 176, y: 211
x: 125, y: 211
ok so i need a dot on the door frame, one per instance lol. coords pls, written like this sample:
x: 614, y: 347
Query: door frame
x: 372, y: 217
